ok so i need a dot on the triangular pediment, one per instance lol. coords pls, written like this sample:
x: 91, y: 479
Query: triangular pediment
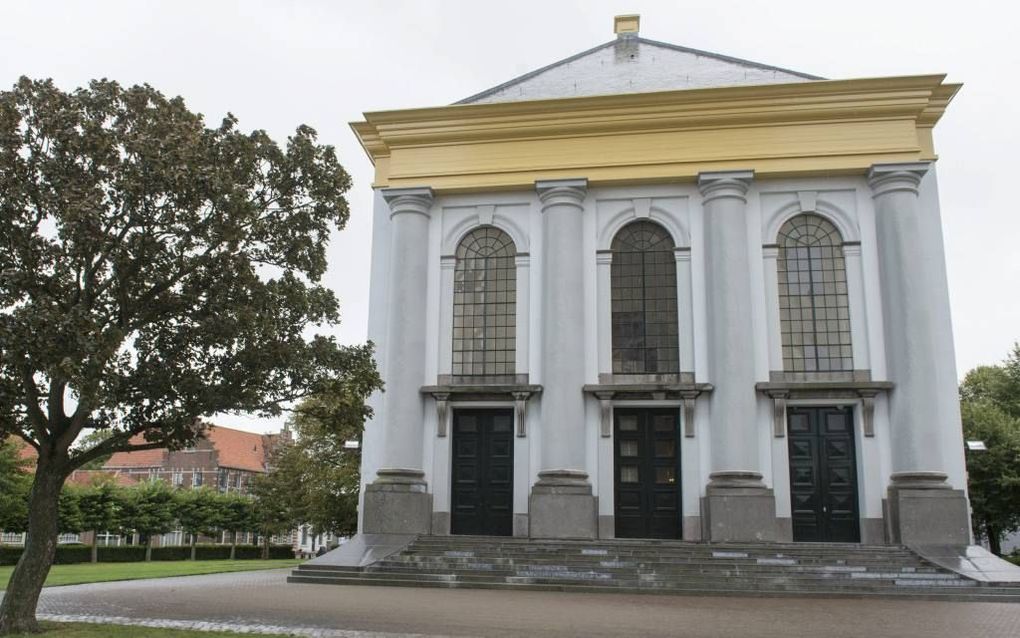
x: 635, y: 65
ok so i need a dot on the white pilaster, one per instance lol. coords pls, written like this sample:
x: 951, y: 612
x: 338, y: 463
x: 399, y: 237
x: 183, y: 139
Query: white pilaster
x: 447, y: 269
x: 604, y: 284
x: 858, y: 306
x: 522, y: 361
x: 685, y: 311
x: 770, y: 256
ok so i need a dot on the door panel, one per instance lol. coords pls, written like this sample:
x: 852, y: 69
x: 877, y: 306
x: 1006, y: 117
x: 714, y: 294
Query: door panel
x: 823, y: 474
x: 647, y: 473
x: 483, y: 472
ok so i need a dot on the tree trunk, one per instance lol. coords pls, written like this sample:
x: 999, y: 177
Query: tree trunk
x: 993, y: 538
x: 148, y: 548
x: 17, y: 611
x: 265, y: 547
x: 194, y: 538
x: 95, y: 546
x: 233, y: 545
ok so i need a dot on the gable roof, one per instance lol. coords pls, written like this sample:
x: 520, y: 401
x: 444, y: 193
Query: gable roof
x: 633, y: 64
x: 236, y: 449
x: 239, y: 449
x: 137, y: 458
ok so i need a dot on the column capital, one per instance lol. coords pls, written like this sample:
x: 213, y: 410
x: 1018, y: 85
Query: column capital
x: 409, y: 200
x: 570, y: 192
x: 719, y: 184
x: 904, y: 176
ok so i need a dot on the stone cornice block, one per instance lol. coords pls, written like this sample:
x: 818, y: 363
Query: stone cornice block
x: 888, y: 178
x: 719, y: 184
x: 409, y: 200
x: 562, y: 192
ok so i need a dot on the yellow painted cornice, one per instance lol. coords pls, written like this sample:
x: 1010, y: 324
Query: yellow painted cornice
x: 818, y: 127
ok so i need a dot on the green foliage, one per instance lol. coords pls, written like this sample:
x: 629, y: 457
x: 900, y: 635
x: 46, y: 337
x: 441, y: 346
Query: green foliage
x: 323, y: 424
x: 158, y: 270
x: 198, y: 511
x: 990, y: 409
x: 91, y: 440
x: 155, y: 270
x: 69, y: 515
x: 100, y: 505
x: 15, y: 483
x: 73, y: 554
x: 237, y: 513
x: 149, y: 509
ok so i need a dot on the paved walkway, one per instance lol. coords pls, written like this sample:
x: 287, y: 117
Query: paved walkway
x: 263, y: 602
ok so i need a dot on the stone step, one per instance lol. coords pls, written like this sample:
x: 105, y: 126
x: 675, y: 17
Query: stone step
x: 579, y: 575
x: 676, y: 573
x: 979, y: 594
x: 714, y: 559
x: 652, y: 545
x: 709, y: 563
x: 755, y: 569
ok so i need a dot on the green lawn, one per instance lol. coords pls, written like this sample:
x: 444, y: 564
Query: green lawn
x: 102, y: 572
x: 81, y: 630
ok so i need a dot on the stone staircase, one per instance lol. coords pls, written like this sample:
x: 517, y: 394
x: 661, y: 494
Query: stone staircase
x: 663, y: 567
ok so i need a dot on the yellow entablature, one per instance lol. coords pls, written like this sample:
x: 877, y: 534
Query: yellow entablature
x: 808, y: 128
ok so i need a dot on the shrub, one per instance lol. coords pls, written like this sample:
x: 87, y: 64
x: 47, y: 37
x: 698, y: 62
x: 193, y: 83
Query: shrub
x: 70, y: 554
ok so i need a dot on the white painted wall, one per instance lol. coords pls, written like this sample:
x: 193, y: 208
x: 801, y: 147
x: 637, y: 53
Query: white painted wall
x: 844, y: 200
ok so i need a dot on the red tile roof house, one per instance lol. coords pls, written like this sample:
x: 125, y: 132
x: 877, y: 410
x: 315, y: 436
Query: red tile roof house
x: 224, y: 459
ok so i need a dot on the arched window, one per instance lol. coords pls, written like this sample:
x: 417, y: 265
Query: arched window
x: 645, y: 334
x: 485, y: 304
x: 814, y: 310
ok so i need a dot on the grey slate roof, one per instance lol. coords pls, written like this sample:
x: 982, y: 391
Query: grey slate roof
x: 636, y: 41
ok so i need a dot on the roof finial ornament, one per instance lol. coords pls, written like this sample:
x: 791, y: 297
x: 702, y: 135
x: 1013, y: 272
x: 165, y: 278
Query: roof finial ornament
x: 627, y: 26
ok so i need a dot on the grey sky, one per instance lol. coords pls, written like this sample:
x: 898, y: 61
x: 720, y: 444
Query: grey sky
x: 278, y: 64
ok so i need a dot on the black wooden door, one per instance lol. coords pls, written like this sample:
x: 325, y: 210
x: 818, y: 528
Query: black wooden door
x: 823, y: 474
x: 647, y: 473
x: 483, y: 472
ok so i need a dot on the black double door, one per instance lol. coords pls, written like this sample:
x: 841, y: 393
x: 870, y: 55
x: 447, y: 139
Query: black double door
x: 823, y: 474
x: 647, y: 473
x: 483, y: 472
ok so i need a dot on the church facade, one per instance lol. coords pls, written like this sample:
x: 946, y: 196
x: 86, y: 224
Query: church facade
x: 654, y: 292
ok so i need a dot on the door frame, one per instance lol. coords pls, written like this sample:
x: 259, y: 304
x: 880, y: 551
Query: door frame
x: 688, y: 459
x: 481, y: 407
x: 864, y: 483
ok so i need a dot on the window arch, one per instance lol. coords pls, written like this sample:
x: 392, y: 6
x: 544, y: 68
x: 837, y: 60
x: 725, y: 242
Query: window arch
x: 814, y: 310
x: 485, y: 304
x: 644, y: 302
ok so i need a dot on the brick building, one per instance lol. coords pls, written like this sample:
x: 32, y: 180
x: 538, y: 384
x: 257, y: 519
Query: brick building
x: 226, y: 459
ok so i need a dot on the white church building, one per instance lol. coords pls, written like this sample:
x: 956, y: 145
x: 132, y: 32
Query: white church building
x: 655, y: 292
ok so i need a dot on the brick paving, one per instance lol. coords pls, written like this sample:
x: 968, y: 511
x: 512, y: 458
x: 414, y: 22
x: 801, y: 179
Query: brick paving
x: 262, y: 602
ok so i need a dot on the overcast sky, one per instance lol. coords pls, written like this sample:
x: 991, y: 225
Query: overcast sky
x: 279, y: 64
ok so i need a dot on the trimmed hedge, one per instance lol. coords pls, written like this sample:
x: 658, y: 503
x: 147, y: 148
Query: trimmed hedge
x: 70, y: 554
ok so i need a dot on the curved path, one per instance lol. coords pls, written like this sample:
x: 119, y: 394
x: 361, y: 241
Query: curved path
x: 262, y: 602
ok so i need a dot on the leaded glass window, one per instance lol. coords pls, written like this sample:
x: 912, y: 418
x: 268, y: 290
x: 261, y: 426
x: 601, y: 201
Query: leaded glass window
x: 485, y: 304
x: 814, y: 311
x: 644, y: 306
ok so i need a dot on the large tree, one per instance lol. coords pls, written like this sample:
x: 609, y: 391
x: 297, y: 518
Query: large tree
x: 153, y: 270
x: 325, y: 428
x: 990, y: 408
